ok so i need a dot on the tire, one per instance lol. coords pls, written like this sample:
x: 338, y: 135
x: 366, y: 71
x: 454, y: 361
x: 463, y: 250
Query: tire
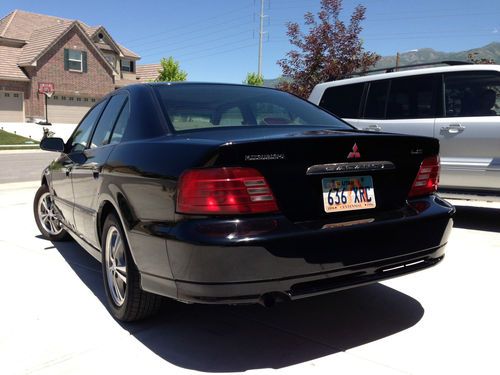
x: 46, y: 216
x: 126, y: 300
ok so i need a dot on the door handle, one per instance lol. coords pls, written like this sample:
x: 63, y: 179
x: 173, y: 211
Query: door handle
x: 453, y: 129
x: 96, y: 171
x: 373, y: 128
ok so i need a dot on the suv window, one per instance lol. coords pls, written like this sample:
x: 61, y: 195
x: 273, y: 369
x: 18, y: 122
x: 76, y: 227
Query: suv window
x: 412, y: 97
x: 107, y: 121
x: 376, y: 100
x: 81, y: 135
x: 472, y: 94
x: 343, y: 101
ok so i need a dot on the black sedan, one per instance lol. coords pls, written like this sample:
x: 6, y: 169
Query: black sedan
x: 217, y: 193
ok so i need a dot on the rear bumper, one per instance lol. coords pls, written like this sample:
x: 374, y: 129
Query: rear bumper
x: 216, y: 261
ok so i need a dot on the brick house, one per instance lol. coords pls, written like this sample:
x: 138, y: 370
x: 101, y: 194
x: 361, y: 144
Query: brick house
x: 82, y: 62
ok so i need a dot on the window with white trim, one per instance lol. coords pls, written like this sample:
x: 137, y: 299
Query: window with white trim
x: 75, y: 60
x: 127, y: 65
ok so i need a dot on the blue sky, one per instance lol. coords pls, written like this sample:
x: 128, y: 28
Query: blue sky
x: 217, y: 40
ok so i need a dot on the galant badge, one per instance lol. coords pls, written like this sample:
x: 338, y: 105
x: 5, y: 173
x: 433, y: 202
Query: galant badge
x: 354, y: 154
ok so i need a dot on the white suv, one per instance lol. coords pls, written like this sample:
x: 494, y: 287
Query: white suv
x: 459, y: 105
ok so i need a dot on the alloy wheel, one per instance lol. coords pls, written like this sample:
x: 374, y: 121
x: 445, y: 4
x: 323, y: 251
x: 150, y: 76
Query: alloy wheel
x: 48, y: 215
x: 116, y: 265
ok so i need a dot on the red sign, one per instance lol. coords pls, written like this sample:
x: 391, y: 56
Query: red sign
x: 45, y: 87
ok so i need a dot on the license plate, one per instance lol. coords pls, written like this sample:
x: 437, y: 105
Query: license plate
x: 348, y: 193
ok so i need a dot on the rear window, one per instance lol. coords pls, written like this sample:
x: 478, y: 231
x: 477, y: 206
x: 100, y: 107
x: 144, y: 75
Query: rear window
x: 201, y: 106
x: 343, y: 101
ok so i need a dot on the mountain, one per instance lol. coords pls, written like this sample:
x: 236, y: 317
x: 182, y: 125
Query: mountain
x: 428, y: 55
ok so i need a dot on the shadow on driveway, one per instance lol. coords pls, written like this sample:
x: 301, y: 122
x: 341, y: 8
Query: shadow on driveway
x: 477, y: 218
x: 238, y: 338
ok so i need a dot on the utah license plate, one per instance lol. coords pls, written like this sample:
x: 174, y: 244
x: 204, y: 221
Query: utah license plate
x: 348, y: 193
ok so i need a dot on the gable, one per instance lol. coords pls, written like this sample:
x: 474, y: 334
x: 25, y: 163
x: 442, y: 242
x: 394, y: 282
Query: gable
x: 74, y: 38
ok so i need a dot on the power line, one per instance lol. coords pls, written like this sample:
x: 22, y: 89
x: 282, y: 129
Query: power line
x: 211, y: 48
x: 189, y: 25
x: 198, y: 32
x: 220, y: 52
x: 170, y: 50
x: 195, y: 44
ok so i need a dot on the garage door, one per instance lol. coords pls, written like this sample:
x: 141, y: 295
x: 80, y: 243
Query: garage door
x: 68, y: 109
x: 11, y: 106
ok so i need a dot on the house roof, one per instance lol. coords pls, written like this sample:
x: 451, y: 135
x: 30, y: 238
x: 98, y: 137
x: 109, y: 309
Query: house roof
x: 148, y: 72
x: 40, y: 32
x: 40, y: 40
x: 21, y: 24
x: 8, y: 64
x: 128, y: 53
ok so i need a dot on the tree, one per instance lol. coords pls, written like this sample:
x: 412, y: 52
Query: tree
x: 331, y: 50
x: 473, y: 58
x: 254, y: 79
x: 170, y: 71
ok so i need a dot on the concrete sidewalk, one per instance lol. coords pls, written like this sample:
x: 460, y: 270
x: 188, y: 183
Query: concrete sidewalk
x: 35, y: 131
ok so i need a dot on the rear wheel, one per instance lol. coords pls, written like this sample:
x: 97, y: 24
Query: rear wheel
x: 47, y: 217
x: 126, y: 300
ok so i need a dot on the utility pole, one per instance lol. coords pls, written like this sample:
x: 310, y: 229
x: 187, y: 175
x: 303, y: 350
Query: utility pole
x: 261, y: 35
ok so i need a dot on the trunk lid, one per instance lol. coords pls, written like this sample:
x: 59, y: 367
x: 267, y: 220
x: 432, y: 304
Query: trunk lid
x: 296, y: 164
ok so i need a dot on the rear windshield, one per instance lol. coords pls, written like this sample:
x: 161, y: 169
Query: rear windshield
x: 197, y: 106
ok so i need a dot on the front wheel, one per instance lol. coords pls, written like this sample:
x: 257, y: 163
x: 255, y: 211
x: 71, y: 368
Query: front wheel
x: 126, y: 299
x: 47, y: 217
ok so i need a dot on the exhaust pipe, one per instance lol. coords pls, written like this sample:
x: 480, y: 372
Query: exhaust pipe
x: 272, y: 298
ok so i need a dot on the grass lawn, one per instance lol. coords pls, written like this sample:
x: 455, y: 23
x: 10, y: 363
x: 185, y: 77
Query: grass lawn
x: 10, y: 141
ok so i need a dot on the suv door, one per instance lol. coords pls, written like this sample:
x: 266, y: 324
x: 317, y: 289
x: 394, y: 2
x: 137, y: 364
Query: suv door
x: 87, y: 175
x: 344, y: 101
x: 469, y: 132
x: 404, y: 105
x: 61, y: 168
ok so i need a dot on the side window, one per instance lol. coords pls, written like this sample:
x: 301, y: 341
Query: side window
x: 472, y: 94
x: 81, y: 135
x: 121, y: 124
x: 376, y: 100
x: 231, y: 116
x: 107, y: 121
x: 412, y: 97
x: 343, y: 101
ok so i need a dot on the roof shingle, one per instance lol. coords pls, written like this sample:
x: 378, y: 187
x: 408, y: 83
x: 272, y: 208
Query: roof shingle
x: 8, y: 63
x: 40, y: 40
x: 148, y: 72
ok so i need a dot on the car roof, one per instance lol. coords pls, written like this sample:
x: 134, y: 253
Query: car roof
x: 412, y: 72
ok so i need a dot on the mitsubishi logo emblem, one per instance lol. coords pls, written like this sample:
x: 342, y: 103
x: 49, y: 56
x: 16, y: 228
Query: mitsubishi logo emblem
x: 354, y: 154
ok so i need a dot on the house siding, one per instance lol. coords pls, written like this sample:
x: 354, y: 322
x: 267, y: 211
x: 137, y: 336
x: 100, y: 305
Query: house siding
x: 95, y: 83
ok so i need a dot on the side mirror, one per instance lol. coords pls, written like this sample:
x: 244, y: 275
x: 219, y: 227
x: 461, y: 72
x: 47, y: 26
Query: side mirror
x: 52, y: 144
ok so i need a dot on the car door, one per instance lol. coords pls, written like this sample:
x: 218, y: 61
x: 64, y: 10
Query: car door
x: 405, y: 105
x: 61, y: 168
x: 87, y: 174
x: 469, y: 132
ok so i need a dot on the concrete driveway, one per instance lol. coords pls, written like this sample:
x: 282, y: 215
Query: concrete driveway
x: 444, y: 320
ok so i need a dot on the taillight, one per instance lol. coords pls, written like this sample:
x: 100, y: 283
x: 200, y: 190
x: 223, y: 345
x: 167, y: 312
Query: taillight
x: 224, y: 191
x: 427, y: 178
